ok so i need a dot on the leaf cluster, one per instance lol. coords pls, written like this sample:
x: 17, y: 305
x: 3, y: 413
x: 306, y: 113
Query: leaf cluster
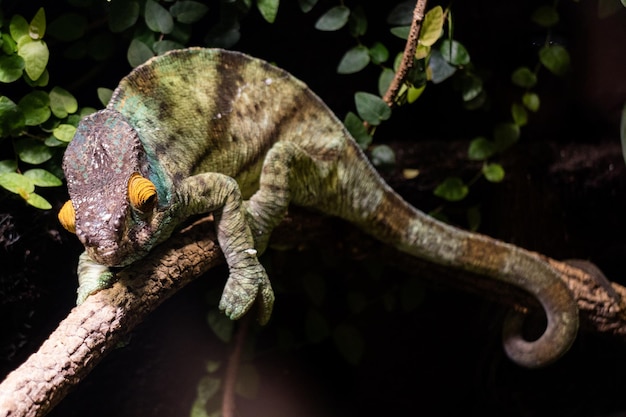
x: 42, y: 121
x: 551, y: 56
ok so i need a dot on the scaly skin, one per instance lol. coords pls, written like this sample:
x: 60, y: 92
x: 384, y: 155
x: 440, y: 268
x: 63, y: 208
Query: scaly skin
x: 221, y: 132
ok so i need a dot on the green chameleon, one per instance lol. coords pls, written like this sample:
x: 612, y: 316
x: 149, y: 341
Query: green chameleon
x: 206, y: 130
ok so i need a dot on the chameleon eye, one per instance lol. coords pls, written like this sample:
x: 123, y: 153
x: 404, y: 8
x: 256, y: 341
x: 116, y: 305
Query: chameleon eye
x: 67, y: 216
x: 141, y: 193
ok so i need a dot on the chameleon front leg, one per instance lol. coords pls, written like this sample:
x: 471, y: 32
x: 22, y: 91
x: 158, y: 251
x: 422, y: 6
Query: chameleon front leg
x: 92, y: 277
x: 247, y: 280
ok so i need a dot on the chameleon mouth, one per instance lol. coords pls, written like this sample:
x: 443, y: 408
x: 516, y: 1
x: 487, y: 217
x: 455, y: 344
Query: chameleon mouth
x: 107, y: 256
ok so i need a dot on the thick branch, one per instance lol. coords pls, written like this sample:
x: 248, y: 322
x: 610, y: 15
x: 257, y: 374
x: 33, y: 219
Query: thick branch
x: 93, y: 329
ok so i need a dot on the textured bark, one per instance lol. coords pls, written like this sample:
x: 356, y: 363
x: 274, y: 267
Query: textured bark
x: 93, y: 329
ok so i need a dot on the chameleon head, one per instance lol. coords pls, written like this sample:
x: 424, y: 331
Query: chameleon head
x: 114, y: 208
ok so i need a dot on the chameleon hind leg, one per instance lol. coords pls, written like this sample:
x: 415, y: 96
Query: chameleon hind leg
x: 289, y: 175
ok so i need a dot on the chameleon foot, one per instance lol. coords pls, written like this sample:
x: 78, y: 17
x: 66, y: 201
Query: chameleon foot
x: 243, y: 288
x: 92, y: 277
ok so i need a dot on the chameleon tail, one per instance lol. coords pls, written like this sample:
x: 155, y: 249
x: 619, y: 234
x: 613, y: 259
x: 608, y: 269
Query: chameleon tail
x: 378, y: 210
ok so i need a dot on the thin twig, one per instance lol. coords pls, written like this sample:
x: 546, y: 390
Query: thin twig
x: 230, y: 380
x: 408, y: 55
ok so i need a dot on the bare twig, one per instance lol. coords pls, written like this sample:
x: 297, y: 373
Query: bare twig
x: 408, y: 55
x: 232, y: 370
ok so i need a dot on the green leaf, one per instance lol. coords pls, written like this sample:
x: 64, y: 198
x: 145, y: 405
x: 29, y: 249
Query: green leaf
x: 413, y: 93
x: 35, y: 55
x: 474, y: 218
x: 11, y: 68
x: 36, y: 107
x: 307, y: 5
x: 401, y: 32
x: 38, y: 201
x: 42, y: 178
x: 480, y: 149
x: 471, y: 87
x: 357, y: 22
x: 384, y: 80
x: 69, y: 27
x: 354, y: 60
x: 357, y: 130
x: 531, y: 101
x: 555, y: 58
x: 18, y: 27
x: 104, y: 95
x: 62, y: 102
x: 422, y: 51
x: 8, y: 165
x: 32, y: 151
x: 440, y: 69
x: 379, y: 53
x: 138, y: 53
x: 401, y: 14
x: 349, y: 342
x: 9, y: 46
x: 454, y: 53
x: 383, y: 155
x: 12, y: 120
x: 221, y: 325
x: 268, y: 9
x: 371, y: 108
x: 101, y: 46
x: 524, y: 77
x: 505, y: 135
x: 157, y: 18
x: 452, y: 189
x: 162, y: 47
x: 432, y: 26
x: 334, y: 19
x: 518, y: 112
x: 37, y: 27
x: 493, y: 172
x: 42, y: 81
x: 545, y: 16
x: 16, y: 183
x: 316, y: 326
x: 64, y: 132
x: 188, y: 11
x: 123, y: 15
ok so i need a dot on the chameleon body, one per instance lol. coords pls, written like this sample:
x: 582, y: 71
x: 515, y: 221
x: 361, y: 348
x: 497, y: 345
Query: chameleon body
x: 209, y: 130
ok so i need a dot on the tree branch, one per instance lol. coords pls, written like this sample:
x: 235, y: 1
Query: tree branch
x: 94, y: 328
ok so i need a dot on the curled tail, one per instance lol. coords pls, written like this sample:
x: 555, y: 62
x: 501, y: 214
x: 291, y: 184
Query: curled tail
x: 370, y: 203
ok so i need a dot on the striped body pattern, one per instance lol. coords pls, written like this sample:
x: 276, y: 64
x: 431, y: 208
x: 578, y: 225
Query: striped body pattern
x: 208, y: 130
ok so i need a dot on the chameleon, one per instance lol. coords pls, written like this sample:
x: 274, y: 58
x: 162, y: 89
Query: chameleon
x: 203, y: 130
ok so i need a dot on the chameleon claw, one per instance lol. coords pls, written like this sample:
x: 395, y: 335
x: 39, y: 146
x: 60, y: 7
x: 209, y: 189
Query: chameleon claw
x: 241, y: 292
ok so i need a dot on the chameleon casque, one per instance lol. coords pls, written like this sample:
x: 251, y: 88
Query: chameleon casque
x: 206, y: 130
